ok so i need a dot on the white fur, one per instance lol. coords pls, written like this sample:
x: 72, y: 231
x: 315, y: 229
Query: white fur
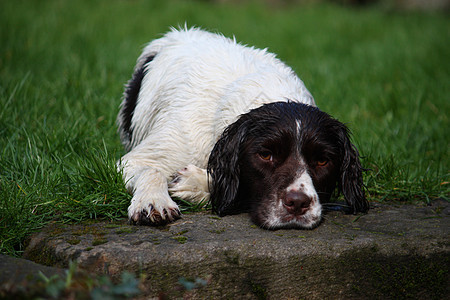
x: 190, y: 183
x: 197, y: 84
x: 277, y: 214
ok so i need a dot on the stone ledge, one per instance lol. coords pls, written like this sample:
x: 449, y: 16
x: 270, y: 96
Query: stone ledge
x: 16, y: 270
x: 394, y: 251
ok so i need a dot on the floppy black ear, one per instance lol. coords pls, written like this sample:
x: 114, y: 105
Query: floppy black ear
x: 224, y: 170
x: 351, y: 179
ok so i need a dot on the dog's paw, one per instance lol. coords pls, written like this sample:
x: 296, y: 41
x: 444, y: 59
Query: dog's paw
x: 152, y: 212
x: 190, y: 184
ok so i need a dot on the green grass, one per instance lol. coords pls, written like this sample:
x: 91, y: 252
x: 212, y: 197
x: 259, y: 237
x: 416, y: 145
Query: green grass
x: 63, y: 65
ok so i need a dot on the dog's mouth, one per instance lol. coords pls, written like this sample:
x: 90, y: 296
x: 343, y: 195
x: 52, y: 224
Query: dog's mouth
x: 309, y: 221
x: 279, y: 218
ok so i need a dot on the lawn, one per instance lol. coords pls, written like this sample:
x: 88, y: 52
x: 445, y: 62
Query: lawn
x: 63, y: 65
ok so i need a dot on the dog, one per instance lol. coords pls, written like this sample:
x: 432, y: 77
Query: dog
x: 204, y: 118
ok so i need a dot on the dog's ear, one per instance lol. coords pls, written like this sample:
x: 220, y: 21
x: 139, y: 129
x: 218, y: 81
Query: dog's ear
x: 224, y: 169
x: 351, y: 178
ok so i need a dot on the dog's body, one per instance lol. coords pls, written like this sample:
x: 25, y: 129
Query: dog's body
x: 181, y: 115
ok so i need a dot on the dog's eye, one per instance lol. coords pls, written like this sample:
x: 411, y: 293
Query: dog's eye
x: 322, y: 163
x: 266, y: 155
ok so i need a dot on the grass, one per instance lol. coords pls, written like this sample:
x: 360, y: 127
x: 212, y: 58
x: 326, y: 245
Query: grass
x: 63, y: 65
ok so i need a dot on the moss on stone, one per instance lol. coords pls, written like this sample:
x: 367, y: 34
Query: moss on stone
x: 125, y: 230
x: 217, y: 231
x: 73, y: 241
x: 180, y: 238
x: 99, y: 241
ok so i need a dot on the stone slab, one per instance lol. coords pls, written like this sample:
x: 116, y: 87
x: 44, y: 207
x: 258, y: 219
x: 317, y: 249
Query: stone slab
x: 395, y: 251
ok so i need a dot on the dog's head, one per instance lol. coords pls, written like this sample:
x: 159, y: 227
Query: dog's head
x: 280, y: 162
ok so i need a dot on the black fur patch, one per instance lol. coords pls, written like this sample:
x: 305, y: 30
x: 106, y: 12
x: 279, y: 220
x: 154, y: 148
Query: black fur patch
x: 131, y: 96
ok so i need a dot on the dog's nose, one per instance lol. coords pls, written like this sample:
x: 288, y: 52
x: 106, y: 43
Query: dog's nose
x: 296, y: 203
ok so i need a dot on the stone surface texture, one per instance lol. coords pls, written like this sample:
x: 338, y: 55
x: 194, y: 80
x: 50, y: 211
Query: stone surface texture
x: 393, y: 251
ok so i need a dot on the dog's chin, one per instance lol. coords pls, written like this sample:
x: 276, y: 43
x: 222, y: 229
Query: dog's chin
x: 273, y: 221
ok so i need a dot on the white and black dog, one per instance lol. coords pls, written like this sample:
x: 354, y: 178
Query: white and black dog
x: 204, y: 117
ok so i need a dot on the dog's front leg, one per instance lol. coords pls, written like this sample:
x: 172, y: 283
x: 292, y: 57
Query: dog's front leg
x: 151, y: 203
